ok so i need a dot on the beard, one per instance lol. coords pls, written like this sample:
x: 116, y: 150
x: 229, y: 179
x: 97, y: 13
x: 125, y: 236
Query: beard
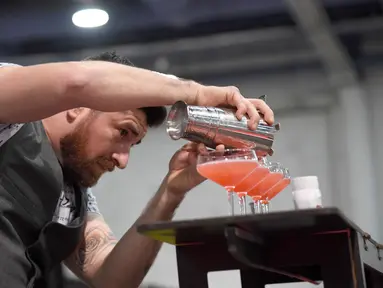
x: 77, y: 166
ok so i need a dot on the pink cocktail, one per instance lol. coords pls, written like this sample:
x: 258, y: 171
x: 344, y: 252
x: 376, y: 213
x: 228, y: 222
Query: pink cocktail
x: 262, y: 186
x: 275, y: 189
x: 255, y: 176
x: 227, y: 168
x: 269, y: 181
x: 275, y: 180
x: 227, y: 173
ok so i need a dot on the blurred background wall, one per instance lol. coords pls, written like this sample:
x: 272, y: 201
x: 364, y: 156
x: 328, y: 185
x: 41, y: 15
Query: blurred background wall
x: 319, y: 62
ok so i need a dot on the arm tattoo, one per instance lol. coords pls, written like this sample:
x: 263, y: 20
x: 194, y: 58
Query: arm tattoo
x: 96, y: 240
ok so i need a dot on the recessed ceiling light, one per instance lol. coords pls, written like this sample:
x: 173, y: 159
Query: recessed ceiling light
x: 90, y: 18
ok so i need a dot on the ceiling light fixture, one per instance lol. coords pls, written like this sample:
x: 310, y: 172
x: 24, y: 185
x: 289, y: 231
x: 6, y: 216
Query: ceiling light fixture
x: 90, y: 18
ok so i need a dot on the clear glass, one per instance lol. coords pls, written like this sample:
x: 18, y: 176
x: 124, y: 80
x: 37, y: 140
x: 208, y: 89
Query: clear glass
x: 227, y: 168
x: 252, y: 181
x: 243, y: 187
x: 275, y: 189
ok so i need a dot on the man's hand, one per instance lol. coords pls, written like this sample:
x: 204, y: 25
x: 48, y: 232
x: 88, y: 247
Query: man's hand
x: 228, y: 96
x: 183, y: 174
x: 231, y: 96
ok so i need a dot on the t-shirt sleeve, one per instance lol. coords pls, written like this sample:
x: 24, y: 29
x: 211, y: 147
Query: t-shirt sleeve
x: 2, y: 64
x: 92, y: 206
x: 8, y: 130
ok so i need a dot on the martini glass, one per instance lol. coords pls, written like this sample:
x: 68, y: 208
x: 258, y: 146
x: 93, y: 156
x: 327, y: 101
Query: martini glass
x: 275, y: 189
x: 227, y: 168
x: 260, y: 188
x: 249, y: 181
x: 253, y: 189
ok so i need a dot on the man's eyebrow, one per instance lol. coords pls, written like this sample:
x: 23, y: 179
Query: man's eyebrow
x: 128, y: 113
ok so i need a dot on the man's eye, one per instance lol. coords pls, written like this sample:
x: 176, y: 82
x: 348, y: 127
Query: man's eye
x: 124, y: 132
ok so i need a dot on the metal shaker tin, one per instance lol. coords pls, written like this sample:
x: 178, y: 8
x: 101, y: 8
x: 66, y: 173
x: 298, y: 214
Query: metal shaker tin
x: 213, y: 126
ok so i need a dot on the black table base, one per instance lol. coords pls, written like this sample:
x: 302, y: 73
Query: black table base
x: 308, y: 245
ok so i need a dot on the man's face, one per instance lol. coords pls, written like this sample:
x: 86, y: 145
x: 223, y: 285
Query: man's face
x: 100, y: 142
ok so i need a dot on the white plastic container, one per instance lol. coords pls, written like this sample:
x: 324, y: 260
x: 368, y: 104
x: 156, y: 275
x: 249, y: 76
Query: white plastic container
x: 306, y: 192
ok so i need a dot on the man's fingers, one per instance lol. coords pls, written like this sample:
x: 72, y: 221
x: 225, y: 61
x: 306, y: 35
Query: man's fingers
x: 220, y: 148
x: 191, y: 146
x: 250, y: 107
x: 241, y: 108
x: 235, y: 99
x: 253, y: 114
x: 201, y: 148
x: 264, y: 109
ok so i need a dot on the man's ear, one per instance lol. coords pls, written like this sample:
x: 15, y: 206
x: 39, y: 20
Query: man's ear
x: 73, y: 114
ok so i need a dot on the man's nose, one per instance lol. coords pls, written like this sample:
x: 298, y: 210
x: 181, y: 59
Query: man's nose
x: 121, y: 159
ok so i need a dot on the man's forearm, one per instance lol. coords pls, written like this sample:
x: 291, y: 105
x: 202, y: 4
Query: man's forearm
x: 40, y: 91
x: 131, y: 258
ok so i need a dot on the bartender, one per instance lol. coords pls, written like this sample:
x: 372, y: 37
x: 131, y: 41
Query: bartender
x: 62, y: 126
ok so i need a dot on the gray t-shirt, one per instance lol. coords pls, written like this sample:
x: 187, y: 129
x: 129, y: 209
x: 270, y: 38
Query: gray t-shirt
x: 66, y: 203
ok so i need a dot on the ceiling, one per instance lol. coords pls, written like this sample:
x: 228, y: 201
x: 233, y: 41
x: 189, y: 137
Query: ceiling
x: 187, y: 36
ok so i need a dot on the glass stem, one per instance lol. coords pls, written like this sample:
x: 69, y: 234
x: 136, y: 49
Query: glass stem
x: 265, y: 206
x: 242, y: 203
x: 256, y: 205
x: 245, y: 204
x: 252, y: 209
x: 230, y: 200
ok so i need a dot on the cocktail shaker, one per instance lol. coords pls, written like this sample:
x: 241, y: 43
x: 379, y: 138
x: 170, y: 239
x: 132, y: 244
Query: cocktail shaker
x: 213, y: 126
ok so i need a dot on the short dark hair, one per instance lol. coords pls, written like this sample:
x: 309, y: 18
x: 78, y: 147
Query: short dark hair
x: 155, y: 116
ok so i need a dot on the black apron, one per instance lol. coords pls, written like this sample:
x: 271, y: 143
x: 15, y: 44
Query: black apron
x: 31, y: 180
